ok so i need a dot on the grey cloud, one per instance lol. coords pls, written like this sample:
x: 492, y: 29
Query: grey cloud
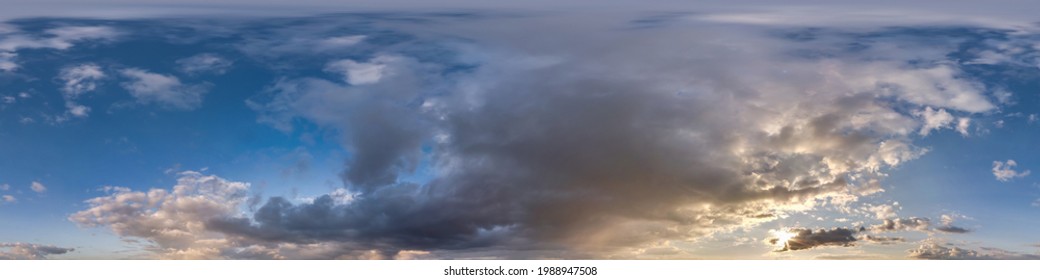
x: 804, y: 239
x: 952, y: 229
x: 29, y: 251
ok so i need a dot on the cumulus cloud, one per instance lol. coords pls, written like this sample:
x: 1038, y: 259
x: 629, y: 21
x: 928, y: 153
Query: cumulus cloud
x: 5, y: 187
x: 172, y: 221
x: 1005, y: 171
x: 8, y: 198
x: 165, y: 90
x: 204, y: 63
x: 29, y: 251
x: 38, y: 187
x: 802, y: 239
x: 903, y: 224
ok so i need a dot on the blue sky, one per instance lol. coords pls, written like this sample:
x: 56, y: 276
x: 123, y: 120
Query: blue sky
x: 730, y: 133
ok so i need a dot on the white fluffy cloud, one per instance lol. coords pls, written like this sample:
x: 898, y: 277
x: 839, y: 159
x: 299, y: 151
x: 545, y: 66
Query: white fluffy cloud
x: 8, y: 198
x: 1005, y: 171
x: 38, y: 187
x: 29, y: 251
x: 165, y: 90
x: 171, y: 221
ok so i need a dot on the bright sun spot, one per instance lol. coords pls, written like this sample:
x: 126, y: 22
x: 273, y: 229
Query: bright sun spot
x: 781, y: 237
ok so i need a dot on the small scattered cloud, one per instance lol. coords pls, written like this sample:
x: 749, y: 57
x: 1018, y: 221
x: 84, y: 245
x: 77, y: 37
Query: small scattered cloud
x: 8, y: 198
x: 5, y: 187
x: 934, y: 120
x: 962, y: 126
x: 165, y: 90
x: 38, y: 187
x: 1005, y: 171
x: 29, y: 251
x: 78, y: 80
x: 204, y: 63
x: 947, y: 225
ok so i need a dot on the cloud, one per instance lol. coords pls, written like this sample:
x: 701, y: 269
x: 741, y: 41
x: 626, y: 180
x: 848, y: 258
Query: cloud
x: 8, y: 199
x: 164, y: 90
x: 5, y: 187
x: 204, y: 63
x: 947, y: 225
x: 934, y: 120
x: 60, y: 38
x: 362, y: 73
x: 962, y: 126
x: 689, y: 148
x: 340, y: 41
x: 952, y: 229
x: 883, y: 239
x: 902, y: 224
x: 38, y: 187
x: 932, y: 250
x: 803, y: 239
x: 574, y: 141
x: 29, y: 251
x: 78, y: 80
x: 173, y: 222
x: 1004, y: 171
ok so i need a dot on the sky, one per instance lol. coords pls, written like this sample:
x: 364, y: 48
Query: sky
x: 466, y: 130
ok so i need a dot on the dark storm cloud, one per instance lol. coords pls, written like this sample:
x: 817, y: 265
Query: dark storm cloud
x: 807, y: 239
